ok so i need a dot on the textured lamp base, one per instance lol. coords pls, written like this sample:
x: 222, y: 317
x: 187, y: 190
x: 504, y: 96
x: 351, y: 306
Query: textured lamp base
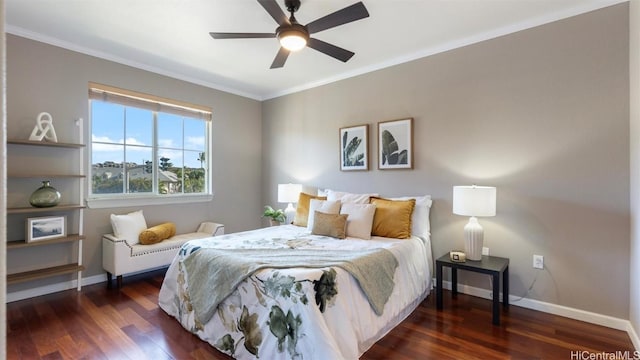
x: 289, y: 213
x: 473, y: 239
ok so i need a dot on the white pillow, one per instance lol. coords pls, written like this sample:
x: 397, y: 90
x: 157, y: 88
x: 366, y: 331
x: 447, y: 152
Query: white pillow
x: 325, y: 206
x: 360, y: 219
x: 346, y: 197
x: 420, y: 218
x: 129, y: 226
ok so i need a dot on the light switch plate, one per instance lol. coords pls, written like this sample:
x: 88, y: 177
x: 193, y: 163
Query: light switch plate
x: 538, y: 262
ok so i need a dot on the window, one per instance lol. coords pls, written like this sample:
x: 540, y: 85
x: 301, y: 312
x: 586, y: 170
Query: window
x: 147, y: 147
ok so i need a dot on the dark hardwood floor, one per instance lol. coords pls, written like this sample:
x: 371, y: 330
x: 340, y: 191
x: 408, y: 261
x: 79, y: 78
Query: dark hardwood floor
x: 101, y: 323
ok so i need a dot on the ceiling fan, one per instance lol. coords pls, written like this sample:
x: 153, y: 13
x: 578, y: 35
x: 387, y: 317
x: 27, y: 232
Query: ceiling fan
x: 294, y: 36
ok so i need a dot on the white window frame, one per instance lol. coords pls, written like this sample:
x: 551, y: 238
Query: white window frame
x: 160, y: 104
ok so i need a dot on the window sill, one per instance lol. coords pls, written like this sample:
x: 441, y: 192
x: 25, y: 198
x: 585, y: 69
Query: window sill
x: 103, y: 203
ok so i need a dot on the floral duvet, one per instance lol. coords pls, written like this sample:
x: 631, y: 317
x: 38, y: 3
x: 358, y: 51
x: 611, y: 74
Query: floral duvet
x: 300, y: 312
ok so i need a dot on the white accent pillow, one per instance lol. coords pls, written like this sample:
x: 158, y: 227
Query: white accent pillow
x: 129, y: 226
x: 360, y: 219
x: 325, y: 206
x: 420, y: 225
x: 346, y: 197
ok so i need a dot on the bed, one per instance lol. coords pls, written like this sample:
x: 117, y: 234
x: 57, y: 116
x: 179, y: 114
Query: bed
x: 315, y: 297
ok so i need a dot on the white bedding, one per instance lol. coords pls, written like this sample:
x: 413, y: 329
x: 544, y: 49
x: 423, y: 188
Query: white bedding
x: 274, y: 313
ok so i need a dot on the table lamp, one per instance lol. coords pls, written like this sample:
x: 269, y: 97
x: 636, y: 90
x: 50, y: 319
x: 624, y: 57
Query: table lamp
x: 474, y: 201
x: 289, y: 193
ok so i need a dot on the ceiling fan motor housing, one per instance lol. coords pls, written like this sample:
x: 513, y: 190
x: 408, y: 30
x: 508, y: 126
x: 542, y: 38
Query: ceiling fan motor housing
x: 292, y: 29
x: 292, y: 5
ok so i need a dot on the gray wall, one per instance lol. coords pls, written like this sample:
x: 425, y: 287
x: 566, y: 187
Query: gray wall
x: 541, y: 114
x: 634, y: 60
x: 41, y: 77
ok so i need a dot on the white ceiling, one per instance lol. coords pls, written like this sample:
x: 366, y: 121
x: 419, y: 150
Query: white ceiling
x: 171, y: 37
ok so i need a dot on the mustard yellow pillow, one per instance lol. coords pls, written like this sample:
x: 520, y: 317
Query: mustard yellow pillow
x: 392, y: 218
x: 157, y: 233
x: 302, y: 211
x: 334, y: 225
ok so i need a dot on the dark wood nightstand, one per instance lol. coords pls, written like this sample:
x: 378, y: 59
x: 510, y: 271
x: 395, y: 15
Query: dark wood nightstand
x: 491, y: 265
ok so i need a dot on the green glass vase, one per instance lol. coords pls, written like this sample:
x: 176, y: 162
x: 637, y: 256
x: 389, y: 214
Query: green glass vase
x: 45, y: 196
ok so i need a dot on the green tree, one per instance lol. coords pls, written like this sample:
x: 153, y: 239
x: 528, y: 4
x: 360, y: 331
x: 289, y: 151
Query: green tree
x: 140, y: 185
x: 165, y: 164
x: 106, y: 185
x: 148, y: 167
x: 201, y: 159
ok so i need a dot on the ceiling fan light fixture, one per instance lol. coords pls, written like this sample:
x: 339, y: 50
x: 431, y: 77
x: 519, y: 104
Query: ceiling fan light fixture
x: 293, y: 42
x: 293, y: 37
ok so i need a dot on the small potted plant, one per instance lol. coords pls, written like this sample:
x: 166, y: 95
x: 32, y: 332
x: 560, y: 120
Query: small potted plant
x: 276, y: 216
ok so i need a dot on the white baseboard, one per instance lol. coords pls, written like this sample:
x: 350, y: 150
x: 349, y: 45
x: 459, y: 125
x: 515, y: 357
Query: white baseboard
x: 634, y: 336
x: 65, y: 285
x: 53, y: 288
x: 571, y: 313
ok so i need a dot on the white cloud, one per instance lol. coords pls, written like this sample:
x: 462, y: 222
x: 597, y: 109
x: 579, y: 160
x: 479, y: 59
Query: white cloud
x: 105, y: 143
x: 105, y: 139
x: 97, y: 146
x: 175, y: 156
x: 134, y: 141
x: 166, y: 143
x: 195, y: 141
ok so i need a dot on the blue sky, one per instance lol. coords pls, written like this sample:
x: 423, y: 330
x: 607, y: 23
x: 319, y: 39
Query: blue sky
x: 111, y: 139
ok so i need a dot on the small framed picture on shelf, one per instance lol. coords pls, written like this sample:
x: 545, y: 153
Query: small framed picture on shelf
x: 46, y: 228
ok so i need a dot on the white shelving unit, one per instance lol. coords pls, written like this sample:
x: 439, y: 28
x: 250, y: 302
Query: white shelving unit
x: 76, y: 207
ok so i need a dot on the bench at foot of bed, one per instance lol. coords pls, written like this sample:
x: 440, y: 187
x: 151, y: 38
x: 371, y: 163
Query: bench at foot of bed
x: 120, y: 258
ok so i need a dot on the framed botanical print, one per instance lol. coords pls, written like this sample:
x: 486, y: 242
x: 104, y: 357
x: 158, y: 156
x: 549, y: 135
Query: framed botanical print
x: 395, y: 144
x: 354, y: 148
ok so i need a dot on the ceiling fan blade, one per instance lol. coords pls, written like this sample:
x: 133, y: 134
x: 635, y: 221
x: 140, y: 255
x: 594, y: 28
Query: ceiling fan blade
x: 331, y: 50
x: 275, y: 11
x: 351, y: 13
x: 280, y: 59
x: 221, y: 35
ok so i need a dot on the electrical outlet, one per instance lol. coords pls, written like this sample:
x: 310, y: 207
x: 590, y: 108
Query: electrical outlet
x: 538, y: 262
x: 485, y: 250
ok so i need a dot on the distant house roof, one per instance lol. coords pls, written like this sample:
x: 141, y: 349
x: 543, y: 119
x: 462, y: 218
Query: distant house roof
x: 135, y: 172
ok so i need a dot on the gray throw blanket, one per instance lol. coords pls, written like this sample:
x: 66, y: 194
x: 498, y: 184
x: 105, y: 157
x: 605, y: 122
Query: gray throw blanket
x: 213, y: 274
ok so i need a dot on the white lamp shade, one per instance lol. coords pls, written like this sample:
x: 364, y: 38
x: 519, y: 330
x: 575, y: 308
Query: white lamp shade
x: 289, y: 193
x: 474, y: 200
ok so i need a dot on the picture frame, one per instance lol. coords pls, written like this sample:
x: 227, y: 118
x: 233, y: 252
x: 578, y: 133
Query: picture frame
x: 395, y: 144
x: 354, y: 148
x: 45, y: 228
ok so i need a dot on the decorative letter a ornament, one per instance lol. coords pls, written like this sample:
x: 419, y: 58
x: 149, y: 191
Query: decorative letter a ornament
x: 44, y: 129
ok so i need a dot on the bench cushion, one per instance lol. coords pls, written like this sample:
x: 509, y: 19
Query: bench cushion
x: 157, y: 233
